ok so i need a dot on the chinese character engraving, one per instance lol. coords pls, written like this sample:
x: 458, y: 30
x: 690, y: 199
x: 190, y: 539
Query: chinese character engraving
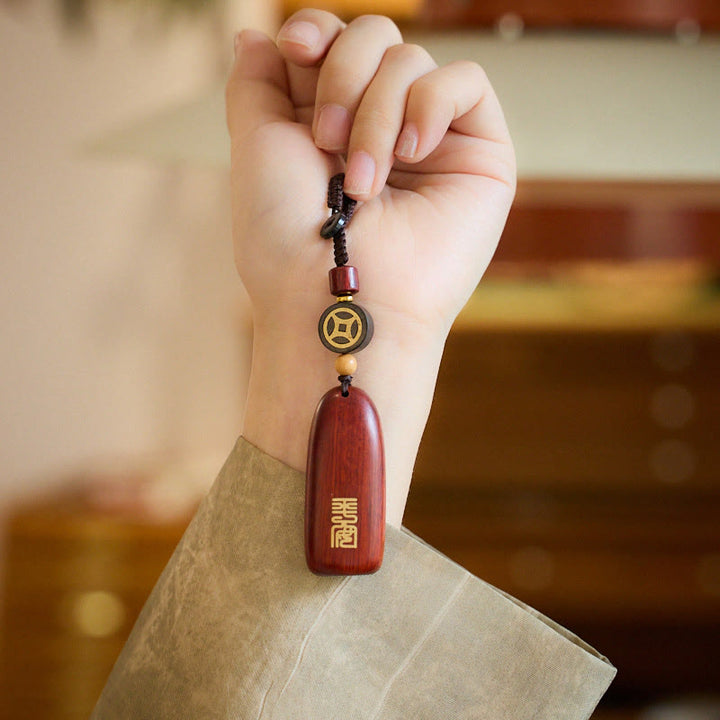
x: 344, y: 518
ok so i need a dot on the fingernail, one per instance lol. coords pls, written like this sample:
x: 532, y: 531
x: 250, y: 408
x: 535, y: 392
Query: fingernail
x: 301, y: 33
x: 407, y: 143
x: 333, y: 127
x: 359, y: 173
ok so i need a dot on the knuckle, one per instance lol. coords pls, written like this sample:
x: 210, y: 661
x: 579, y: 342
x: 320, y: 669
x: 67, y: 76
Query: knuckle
x: 406, y: 53
x: 506, y: 171
x: 341, y: 83
x: 472, y: 69
x: 311, y: 14
x: 429, y: 91
x: 497, y: 162
x: 376, y: 120
x: 377, y: 24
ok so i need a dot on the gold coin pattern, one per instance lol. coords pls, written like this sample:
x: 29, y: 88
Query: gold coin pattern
x: 342, y: 327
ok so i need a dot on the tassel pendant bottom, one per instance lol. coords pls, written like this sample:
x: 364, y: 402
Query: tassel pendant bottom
x: 345, y: 486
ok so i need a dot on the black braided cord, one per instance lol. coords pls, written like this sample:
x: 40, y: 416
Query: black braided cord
x: 342, y: 208
x: 345, y: 382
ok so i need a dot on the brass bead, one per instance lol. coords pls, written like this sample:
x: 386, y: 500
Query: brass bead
x: 345, y: 364
x: 344, y: 298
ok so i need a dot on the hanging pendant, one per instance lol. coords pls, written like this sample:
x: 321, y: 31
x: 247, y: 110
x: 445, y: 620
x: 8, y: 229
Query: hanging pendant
x: 345, y: 486
x: 345, y: 480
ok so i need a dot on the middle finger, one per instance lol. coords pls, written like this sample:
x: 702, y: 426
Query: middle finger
x: 380, y: 117
x: 346, y: 72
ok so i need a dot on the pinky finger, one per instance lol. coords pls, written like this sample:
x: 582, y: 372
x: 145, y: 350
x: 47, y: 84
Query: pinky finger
x: 457, y: 96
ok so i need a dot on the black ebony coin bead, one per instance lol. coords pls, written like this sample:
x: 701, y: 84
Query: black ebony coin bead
x: 345, y: 327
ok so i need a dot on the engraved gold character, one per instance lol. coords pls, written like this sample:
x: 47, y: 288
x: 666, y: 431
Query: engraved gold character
x: 344, y: 518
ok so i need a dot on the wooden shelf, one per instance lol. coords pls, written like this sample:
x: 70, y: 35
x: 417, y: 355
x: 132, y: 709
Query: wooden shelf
x: 559, y: 222
x: 626, y: 305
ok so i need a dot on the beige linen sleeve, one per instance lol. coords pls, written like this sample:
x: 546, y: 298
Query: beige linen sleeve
x: 237, y: 627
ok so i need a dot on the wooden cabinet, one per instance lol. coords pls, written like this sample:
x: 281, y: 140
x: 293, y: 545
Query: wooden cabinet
x: 585, y: 411
x: 75, y: 580
x: 575, y: 463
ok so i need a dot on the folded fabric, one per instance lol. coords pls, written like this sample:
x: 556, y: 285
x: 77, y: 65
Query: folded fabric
x: 238, y: 628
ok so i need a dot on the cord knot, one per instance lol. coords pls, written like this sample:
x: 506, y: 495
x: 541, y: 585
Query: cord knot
x: 334, y: 227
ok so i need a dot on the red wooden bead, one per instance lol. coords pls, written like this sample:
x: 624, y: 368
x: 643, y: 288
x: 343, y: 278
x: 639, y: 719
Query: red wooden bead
x: 344, y: 280
x: 345, y: 486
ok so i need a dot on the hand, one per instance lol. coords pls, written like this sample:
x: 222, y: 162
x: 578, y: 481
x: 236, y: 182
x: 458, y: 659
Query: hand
x: 429, y: 158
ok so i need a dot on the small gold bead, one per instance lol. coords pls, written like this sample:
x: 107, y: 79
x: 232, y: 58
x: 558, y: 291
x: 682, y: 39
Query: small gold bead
x: 345, y: 364
x: 344, y: 298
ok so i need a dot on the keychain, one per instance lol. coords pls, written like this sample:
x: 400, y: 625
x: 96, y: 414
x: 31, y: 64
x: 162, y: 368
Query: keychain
x: 345, y: 481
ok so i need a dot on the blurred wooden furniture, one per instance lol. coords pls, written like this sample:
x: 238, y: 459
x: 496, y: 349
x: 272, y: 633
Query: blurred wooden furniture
x: 558, y: 222
x: 75, y: 579
x: 612, y: 14
x: 616, y: 14
x: 572, y: 456
x: 578, y: 470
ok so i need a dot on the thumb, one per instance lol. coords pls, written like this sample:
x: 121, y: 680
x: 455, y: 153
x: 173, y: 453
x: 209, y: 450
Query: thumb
x: 257, y: 89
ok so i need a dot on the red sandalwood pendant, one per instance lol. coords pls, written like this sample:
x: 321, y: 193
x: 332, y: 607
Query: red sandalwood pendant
x: 345, y: 481
x: 345, y: 486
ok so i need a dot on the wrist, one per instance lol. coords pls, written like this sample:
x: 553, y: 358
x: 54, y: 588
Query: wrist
x: 287, y: 373
x: 291, y: 371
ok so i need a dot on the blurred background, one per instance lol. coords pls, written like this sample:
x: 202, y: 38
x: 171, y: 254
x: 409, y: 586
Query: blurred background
x: 572, y: 456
